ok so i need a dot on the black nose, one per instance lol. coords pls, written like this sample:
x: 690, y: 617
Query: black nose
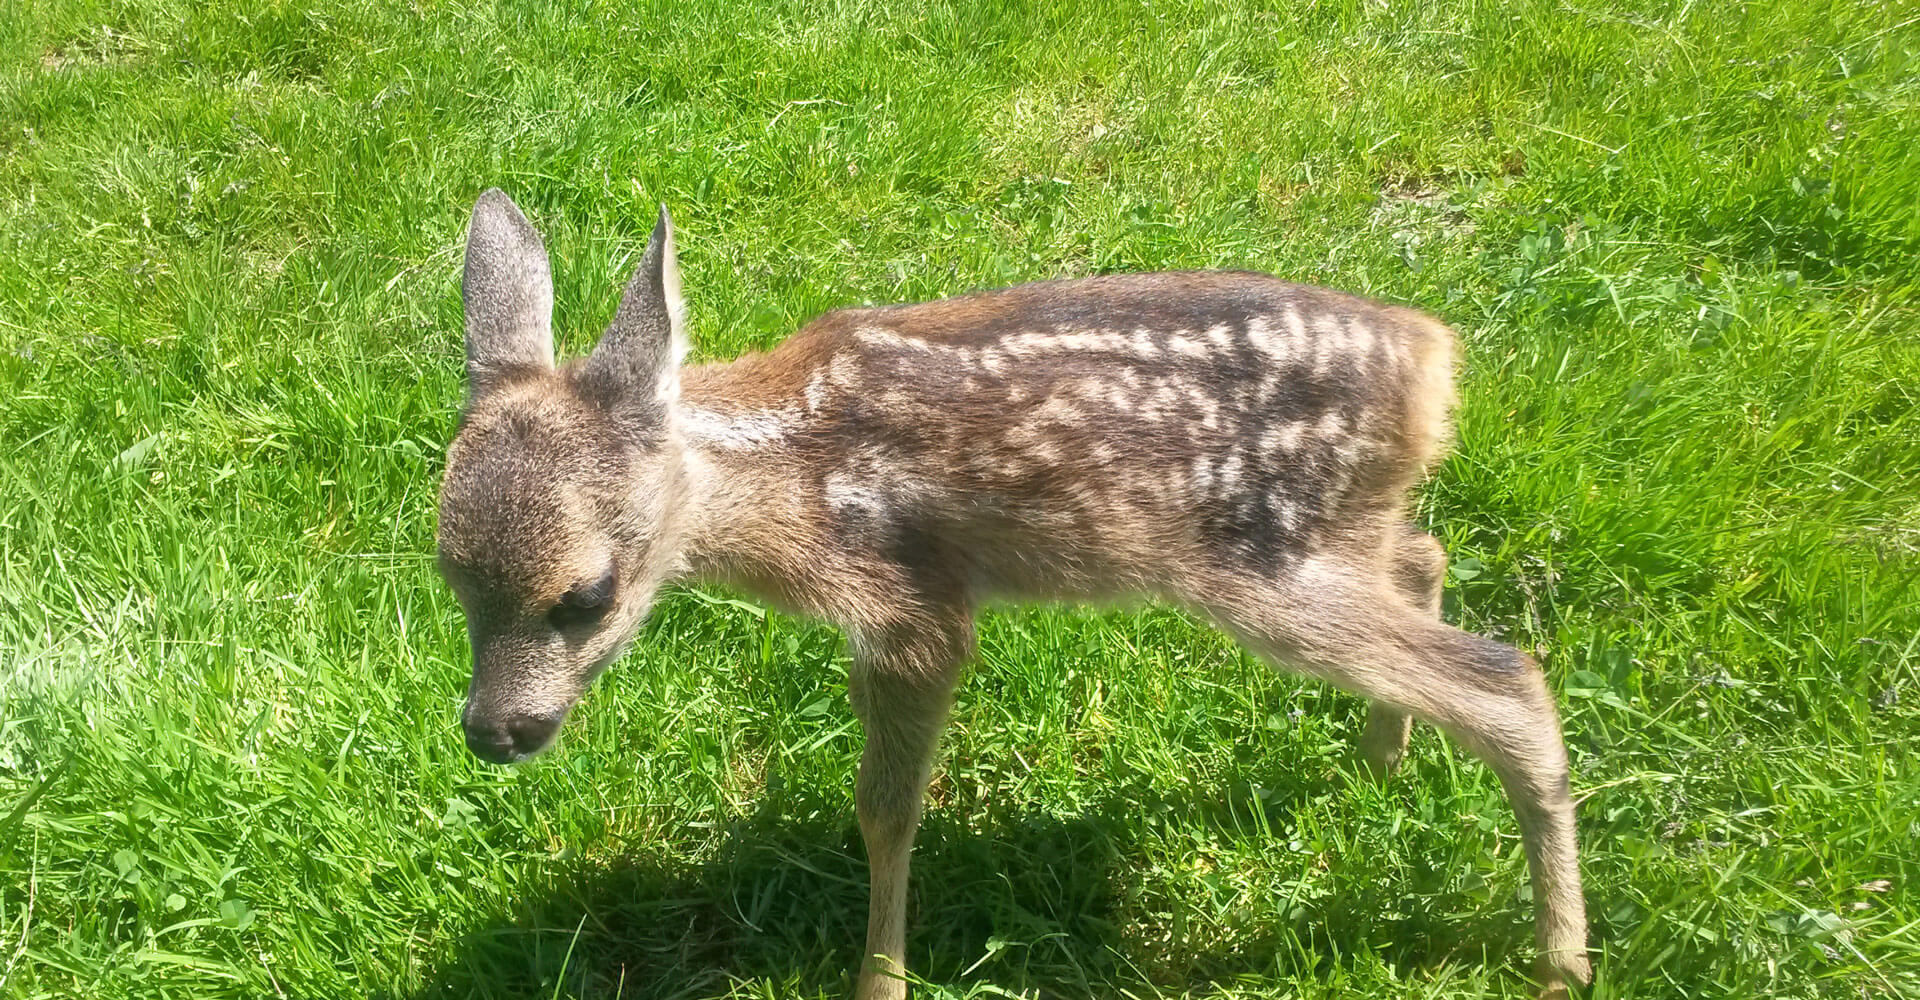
x: 516, y: 738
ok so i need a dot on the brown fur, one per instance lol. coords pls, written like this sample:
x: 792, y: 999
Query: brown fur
x: 1225, y: 441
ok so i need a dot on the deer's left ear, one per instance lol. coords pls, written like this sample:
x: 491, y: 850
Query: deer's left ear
x: 636, y: 367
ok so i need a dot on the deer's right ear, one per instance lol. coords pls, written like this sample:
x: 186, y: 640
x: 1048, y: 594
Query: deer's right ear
x: 508, y: 289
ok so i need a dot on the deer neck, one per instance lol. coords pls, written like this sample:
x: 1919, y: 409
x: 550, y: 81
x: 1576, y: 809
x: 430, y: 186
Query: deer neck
x: 746, y: 521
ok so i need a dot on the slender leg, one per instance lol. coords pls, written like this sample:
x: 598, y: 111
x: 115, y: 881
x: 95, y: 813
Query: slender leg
x: 1384, y: 742
x: 901, y: 686
x: 1419, y: 574
x: 1489, y: 697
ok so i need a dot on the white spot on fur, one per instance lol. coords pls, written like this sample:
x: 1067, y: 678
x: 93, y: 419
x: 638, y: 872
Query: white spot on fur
x: 1023, y: 344
x: 843, y: 372
x: 1272, y: 439
x: 899, y: 401
x: 880, y: 336
x: 1327, y: 338
x: 1288, y: 435
x: 1284, y: 512
x: 1202, y: 474
x: 1360, y: 340
x: 1058, y: 409
x: 1157, y: 403
x: 1266, y: 339
x: 1296, y: 330
x: 736, y: 431
x: 1208, y: 406
x: 847, y: 493
x: 1184, y: 344
x: 1044, y: 449
x: 1229, y: 477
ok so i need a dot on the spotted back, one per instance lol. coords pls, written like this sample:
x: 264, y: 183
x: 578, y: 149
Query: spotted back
x: 1088, y: 437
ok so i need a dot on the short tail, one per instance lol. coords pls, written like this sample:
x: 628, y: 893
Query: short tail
x: 1430, y: 392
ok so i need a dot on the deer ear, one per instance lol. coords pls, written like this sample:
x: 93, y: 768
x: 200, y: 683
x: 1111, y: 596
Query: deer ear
x: 636, y: 367
x: 508, y: 289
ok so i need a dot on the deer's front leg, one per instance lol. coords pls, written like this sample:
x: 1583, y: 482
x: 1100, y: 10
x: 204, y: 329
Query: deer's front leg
x: 901, y: 685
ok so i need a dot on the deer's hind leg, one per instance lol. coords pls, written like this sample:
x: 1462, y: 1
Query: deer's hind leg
x: 1419, y: 567
x: 1348, y: 627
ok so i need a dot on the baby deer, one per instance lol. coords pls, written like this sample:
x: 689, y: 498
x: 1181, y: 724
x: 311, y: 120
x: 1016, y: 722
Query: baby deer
x: 1237, y: 445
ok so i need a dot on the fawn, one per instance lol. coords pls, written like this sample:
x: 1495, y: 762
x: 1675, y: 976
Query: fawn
x: 1234, y: 444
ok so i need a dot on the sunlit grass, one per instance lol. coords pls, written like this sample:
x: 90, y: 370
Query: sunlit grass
x: 1679, y: 241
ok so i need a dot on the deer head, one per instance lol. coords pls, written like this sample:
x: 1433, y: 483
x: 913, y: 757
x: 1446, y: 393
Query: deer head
x: 558, y: 512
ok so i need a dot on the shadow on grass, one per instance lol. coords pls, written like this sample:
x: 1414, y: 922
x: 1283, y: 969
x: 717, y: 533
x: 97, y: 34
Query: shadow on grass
x: 1031, y: 902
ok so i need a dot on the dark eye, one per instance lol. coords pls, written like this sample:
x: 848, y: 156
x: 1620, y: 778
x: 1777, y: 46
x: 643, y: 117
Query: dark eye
x: 585, y: 604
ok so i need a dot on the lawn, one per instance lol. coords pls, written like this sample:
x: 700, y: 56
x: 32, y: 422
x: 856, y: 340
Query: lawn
x: 1681, y: 243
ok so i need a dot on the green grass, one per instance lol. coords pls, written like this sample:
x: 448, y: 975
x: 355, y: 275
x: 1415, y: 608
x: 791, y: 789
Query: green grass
x: 1680, y: 240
